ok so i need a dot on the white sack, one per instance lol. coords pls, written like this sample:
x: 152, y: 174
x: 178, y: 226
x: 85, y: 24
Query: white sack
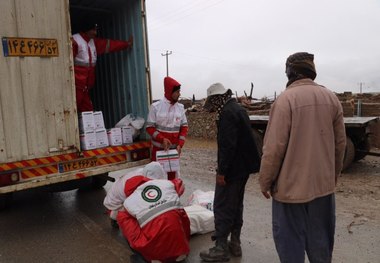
x: 205, y: 199
x: 201, y: 219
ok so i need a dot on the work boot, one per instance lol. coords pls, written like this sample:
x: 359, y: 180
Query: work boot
x: 235, y: 249
x: 219, y: 253
x: 234, y: 245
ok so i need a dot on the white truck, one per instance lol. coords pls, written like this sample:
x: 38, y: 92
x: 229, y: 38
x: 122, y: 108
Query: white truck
x: 39, y: 131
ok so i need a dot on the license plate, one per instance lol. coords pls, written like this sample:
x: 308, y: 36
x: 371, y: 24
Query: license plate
x: 77, y: 165
x: 26, y: 47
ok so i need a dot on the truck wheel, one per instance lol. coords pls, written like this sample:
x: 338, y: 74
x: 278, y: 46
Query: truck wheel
x: 349, y: 153
x: 258, y: 136
x: 68, y: 186
x: 5, y: 201
x: 99, y: 181
x: 363, y: 145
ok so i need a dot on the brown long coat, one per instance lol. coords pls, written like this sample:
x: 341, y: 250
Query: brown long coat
x: 304, y: 144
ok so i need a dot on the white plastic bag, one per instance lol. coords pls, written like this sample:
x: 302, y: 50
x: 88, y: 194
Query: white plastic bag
x: 205, y: 199
x: 135, y: 122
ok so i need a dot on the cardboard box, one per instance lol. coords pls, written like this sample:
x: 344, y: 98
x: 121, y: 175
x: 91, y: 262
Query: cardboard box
x: 127, y: 134
x: 169, y: 160
x: 101, y: 138
x: 98, y: 120
x: 86, y: 121
x: 88, y: 140
x: 114, y: 136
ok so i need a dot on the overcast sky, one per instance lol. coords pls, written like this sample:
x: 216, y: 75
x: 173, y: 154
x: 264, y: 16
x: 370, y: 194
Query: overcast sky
x: 236, y: 42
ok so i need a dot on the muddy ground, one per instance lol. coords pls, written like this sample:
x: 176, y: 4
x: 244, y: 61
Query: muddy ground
x: 357, y: 237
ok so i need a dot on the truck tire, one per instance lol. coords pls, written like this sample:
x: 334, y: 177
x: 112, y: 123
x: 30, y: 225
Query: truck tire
x: 258, y: 136
x: 5, y: 201
x: 364, y: 147
x: 99, y: 181
x: 349, y: 154
x: 68, y: 186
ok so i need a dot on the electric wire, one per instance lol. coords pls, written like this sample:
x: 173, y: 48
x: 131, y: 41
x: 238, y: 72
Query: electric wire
x: 175, y: 18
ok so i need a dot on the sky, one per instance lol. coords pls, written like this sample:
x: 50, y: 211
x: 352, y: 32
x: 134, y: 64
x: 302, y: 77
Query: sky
x: 239, y: 42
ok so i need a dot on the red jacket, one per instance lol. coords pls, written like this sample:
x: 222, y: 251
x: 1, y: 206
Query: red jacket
x: 167, y: 118
x: 85, y: 75
x: 165, y: 237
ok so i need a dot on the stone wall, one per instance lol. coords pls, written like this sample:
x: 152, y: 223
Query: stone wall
x: 201, y: 125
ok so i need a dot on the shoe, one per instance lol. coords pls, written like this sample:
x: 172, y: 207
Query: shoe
x: 181, y: 258
x: 215, y: 254
x: 134, y: 258
x: 235, y: 249
x: 114, y: 224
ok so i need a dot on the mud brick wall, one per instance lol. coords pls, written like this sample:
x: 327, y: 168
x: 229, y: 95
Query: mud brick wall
x: 348, y: 109
x: 368, y: 109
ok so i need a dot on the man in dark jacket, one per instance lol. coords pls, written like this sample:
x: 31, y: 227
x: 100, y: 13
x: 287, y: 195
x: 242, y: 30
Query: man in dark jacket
x: 237, y: 158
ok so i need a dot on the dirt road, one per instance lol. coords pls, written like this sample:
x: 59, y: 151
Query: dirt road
x: 357, y: 237
x: 73, y: 227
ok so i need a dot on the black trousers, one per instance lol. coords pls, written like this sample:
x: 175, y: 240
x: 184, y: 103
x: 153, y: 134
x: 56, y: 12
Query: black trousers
x: 304, y: 227
x: 228, y: 208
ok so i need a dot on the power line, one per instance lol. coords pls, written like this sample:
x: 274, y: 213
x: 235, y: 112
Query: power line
x: 184, y: 8
x: 173, y: 18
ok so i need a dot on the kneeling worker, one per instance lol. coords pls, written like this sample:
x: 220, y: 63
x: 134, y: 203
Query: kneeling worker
x: 154, y: 222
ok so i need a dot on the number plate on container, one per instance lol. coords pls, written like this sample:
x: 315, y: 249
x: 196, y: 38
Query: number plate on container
x: 29, y: 47
x: 77, y: 165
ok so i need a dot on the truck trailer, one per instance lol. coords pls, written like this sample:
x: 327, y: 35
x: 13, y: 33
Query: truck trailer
x: 39, y: 125
x: 357, y: 132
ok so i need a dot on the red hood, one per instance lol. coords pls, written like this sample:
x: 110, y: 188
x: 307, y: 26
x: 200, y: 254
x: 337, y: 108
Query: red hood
x: 169, y: 84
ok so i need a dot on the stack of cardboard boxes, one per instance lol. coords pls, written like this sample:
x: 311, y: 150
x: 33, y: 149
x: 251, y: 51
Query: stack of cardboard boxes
x: 93, y: 133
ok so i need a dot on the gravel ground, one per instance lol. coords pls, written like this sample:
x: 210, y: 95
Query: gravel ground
x: 357, y: 237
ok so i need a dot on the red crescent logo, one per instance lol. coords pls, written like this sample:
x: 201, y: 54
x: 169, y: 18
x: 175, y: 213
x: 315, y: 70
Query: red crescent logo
x: 150, y: 194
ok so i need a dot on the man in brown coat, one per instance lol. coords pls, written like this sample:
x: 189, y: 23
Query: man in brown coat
x: 302, y: 158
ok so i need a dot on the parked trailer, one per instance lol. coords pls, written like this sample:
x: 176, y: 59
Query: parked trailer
x: 39, y: 133
x: 357, y: 131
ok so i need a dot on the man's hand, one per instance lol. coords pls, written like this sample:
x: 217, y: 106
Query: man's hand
x: 179, y: 149
x: 220, y: 180
x: 266, y: 194
x: 166, y: 143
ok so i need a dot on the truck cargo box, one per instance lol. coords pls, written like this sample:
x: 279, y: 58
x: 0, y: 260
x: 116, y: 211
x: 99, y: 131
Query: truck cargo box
x: 39, y: 129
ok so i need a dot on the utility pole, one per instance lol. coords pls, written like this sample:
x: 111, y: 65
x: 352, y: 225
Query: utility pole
x: 361, y: 86
x: 359, y: 110
x: 167, y: 61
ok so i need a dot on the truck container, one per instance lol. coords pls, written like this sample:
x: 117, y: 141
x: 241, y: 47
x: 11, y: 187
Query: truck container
x: 39, y: 130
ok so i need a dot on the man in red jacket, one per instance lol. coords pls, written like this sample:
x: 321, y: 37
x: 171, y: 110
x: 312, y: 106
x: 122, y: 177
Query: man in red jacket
x: 86, y: 48
x: 167, y: 122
